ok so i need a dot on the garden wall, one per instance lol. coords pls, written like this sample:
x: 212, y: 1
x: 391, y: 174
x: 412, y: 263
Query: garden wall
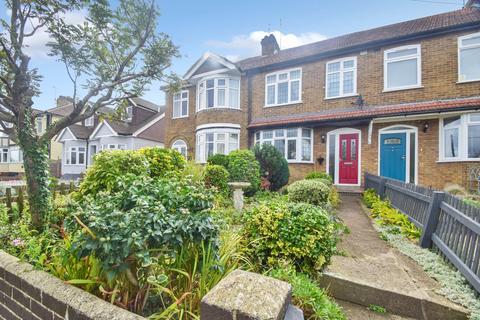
x: 26, y: 293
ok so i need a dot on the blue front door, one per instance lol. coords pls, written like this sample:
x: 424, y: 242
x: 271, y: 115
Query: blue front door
x: 393, y: 155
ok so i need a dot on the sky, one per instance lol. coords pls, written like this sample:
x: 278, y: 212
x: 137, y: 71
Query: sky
x: 234, y: 29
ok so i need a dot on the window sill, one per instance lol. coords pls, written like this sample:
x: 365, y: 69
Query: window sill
x: 75, y: 165
x: 457, y: 160
x: 341, y: 97
x: 403, y: 88
x: 283, y: 104
x: 182, y: 117
x: 218, y: 108
x: 467, y: 81
x: 299, y: 162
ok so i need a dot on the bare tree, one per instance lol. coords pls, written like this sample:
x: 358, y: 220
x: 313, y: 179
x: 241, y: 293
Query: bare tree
x: 113, y: 55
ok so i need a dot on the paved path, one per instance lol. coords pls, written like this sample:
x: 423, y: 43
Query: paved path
x: 372, y: 262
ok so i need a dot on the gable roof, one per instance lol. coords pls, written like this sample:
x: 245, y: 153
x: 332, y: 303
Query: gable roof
x: 147, y: 104
x: 66, y: 109
x: 468, y: 16
x: 369, y: 112
x: 215, y: 63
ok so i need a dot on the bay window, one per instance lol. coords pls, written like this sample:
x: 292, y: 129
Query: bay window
x: 180, y: 104
x: 402, y: 68
x: 296, y: 144
x: 216, y: 140
x: 75, y: 156
x: 341, y: 78
x: 16, y: 155
x: 283, y: 87
x: 219, y: 92
x: 460, y: 138
x: 469, y: 58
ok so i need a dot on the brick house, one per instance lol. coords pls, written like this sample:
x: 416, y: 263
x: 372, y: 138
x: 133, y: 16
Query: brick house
x: 401, y: 100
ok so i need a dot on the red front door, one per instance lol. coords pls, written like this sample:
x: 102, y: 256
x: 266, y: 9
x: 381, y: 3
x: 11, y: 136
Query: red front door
x: 348, y: 159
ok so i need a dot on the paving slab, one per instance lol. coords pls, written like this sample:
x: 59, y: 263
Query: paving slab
x: 373, y: 272
x: 358, y: 312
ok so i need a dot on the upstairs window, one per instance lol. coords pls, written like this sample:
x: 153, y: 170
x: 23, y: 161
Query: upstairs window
x: 16, y: 155
x: 469, y: 58
x: 128, y: 113
x: 402, y: 68
x: 283, y: 87
x: 180, y: 104
x: 4, y: 155
x: 296, y: 144
x: 341, y: 78
x: 39, y: 125
x: 460, y: 139
x: 218, y: 93
x: 89, y: 122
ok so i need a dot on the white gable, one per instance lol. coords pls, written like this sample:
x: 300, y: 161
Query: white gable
x: 103, y: 130
x: 66, y: 135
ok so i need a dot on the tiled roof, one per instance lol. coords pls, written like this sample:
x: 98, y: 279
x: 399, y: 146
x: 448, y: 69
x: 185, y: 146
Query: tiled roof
x: 147, y: 104
x: 65, y: 110
x: 370, y: 112
x: 81, y: 132
x: 451, y: 19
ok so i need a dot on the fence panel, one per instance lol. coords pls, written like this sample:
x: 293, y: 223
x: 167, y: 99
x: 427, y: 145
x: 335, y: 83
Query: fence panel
x: 451, y: 225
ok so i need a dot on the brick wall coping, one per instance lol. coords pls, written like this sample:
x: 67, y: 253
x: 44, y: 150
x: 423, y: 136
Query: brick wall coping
x: 35, y: 294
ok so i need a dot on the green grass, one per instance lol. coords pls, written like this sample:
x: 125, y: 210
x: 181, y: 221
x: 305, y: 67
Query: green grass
x: 377, y: 309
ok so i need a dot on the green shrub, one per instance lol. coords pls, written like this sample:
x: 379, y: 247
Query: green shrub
x: 242, y: 166
x: 218, y: 159
x: 310, y: 191
x: 383, y: 212
x: 194, y: 171
x: 308, y: 296
x: 334, y: 198
x: 299, y: 234
x: 121, y: 229
x: 163, y: 162
x: 216, y: 176
x: 318, y: 175
x: 273, y: 165
x: 108, y: 168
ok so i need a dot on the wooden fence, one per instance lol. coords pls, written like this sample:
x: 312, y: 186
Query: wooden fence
x: 448, y: 224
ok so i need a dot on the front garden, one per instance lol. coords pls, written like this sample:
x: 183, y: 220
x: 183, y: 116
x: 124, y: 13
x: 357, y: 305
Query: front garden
x: 152, y: 233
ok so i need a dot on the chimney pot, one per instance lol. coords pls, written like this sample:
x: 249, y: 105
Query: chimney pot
x: 269, y: 45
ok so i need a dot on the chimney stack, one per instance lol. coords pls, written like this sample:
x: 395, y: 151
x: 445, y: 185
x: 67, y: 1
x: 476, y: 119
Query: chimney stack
x: 269, y: 45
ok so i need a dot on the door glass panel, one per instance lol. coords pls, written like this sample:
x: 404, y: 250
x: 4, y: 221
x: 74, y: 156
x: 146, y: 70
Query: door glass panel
x: 392, y: 141
x: 353, y: 149
x: 331, y: 155
x: 344, y: 150
x: 412, y: 157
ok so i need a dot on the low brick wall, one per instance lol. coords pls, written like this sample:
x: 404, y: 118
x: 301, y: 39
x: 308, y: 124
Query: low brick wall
x: 26, y: 293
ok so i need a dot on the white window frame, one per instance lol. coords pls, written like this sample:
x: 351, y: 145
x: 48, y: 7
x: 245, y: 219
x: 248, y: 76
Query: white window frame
x: 3, y: 152
x: 39, y: 124
x: 387, y: 60
x: 178, y: 145
x: 275, y: 84
x: 460, y: 47
x: 201, y: 138
x: 128, y: 113
x: 89, y: 122
x: 20, y: 154
x: 299, y: 138
x: 77, y: 151
x: 462, y: 138
x: 202, y: 100
x: 180, y: 100
x: 342, y: 71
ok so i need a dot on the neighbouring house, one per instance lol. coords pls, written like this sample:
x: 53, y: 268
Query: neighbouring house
x: 401, y: 100
x: 142, y: 125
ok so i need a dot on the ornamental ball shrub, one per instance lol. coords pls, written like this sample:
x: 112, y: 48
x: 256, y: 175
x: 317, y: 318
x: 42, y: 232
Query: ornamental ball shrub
x: 242, y: 166
x: 310, y: 191
x: 279, y: 232
x: 108, y: 168
x: 216, y: 176
x: 318, y: 175
x: 273, y: 165
x: 218, y: 159
x: 163, y: 162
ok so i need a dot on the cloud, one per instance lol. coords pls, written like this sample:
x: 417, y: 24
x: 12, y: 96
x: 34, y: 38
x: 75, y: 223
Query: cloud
x: 36, y: 45
x: 242, y: 46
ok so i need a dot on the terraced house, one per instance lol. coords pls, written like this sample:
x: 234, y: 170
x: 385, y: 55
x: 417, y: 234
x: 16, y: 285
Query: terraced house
x: 400, y: 100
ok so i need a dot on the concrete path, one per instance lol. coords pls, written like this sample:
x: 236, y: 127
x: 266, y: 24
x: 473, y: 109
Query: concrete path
x: 372, y: 272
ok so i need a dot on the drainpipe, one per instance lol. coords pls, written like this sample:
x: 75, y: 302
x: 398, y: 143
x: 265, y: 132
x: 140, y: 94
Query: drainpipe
x: 249, y: 105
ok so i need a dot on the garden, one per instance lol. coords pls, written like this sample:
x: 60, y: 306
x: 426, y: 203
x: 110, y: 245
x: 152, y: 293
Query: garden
x: 152, y: 233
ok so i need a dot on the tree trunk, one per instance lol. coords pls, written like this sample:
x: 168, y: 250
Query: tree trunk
x: 37, y: 173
